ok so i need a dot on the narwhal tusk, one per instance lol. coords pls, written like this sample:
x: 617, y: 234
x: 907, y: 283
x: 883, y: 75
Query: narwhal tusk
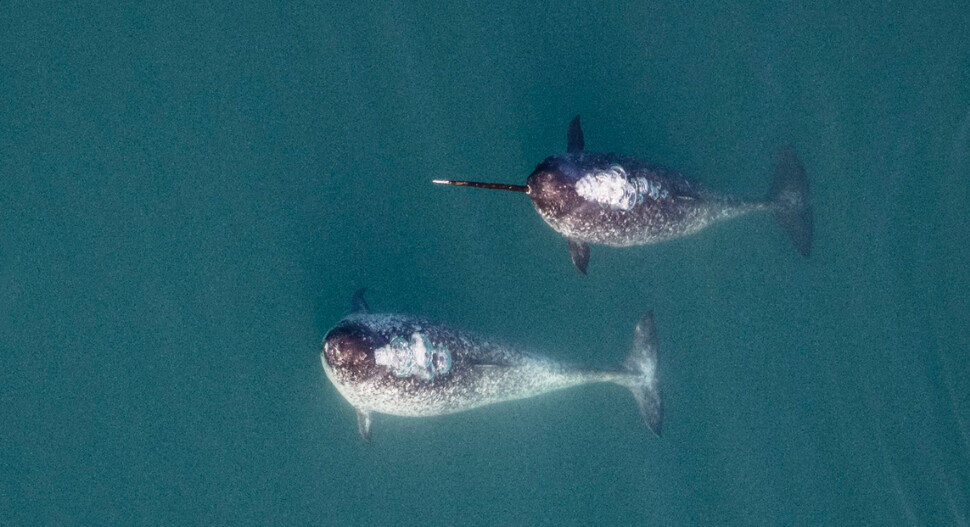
x: 476, y: 184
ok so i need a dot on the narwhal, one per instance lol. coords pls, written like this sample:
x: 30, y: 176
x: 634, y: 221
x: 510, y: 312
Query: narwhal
x: 408, y: 366
x: 595, y: 198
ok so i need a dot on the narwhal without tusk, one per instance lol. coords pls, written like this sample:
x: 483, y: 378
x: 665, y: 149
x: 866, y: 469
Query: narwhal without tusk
x: 409, y: 366
x: 593, y: 198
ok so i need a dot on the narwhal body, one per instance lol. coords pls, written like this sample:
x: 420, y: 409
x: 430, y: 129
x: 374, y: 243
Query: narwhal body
x: 408, y: 366
x: 595, y: 198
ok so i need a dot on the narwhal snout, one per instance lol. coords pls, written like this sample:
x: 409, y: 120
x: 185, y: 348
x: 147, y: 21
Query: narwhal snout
x: 350, y: 347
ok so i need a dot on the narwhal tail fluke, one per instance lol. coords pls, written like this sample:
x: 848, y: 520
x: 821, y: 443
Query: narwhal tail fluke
x: 790, y: 201
x: 644, y: 381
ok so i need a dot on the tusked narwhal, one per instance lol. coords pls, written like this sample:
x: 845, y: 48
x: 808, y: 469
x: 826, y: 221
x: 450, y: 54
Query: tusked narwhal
x: 408, y: 366
x: 594, y: 198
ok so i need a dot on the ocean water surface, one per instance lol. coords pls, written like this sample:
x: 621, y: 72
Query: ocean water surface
x: 190, y: 194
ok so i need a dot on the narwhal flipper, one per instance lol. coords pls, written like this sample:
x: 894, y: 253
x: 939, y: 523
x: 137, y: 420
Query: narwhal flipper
x: 357, y: 303
x: 574, y: 137
x: 579, y: 252
x: 363, y: 424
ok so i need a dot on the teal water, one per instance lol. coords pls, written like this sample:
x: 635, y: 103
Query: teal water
x: 190, y: 195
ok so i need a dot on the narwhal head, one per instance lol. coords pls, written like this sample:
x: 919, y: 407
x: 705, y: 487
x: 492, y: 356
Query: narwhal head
x: 348, y: 351
x: 369, y: 347
x: 552, y: 187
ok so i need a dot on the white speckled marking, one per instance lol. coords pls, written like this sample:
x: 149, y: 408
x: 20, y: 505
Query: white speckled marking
x: 613, y: 188
x: 414, y: 357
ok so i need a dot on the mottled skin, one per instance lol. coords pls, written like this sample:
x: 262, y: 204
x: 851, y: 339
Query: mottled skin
x: 595, y: 198
x: 482, y: 371
x: 684, y: 208
x: 409, y: 366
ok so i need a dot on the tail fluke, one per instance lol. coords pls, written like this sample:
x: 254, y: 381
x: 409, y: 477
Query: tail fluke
x: 790, y: 201
x: 644, y: 382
